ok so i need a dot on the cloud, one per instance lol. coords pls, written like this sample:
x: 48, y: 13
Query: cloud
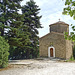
x: 51, y: 11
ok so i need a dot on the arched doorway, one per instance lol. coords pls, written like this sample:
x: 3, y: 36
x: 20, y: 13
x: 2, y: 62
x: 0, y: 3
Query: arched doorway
x: 51, y: 51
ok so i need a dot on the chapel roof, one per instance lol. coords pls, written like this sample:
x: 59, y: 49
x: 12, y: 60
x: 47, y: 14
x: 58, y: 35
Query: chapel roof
x: 51, y: 33
x: 59, y: 22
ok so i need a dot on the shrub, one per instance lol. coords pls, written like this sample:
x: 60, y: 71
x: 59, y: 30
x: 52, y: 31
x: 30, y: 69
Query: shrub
x: 72, y: 58
x: 74, y: 51
x: 4, y: 48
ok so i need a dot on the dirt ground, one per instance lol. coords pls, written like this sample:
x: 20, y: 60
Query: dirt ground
x: 39, y: 67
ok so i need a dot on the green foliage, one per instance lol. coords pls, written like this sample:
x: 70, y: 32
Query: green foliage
x: 70, y: 10
x: 4, y: 48
x: 74, y: 51
x: 32, y: 21
x: 11, y: 25
x: 21, y: 30
x: 8, y: 14
x: 12, y: 21
x: 72, y: 59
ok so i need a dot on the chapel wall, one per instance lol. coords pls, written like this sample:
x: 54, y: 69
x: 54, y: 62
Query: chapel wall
x: 59, y: 44
x: 69, y: 50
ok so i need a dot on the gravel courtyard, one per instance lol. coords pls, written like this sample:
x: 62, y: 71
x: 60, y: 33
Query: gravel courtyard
x: 39, y: 67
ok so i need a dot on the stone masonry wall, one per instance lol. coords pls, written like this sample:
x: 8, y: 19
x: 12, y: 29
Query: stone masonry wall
x: 58, y: 42
x: 59, y: 28
x: 68, y: 49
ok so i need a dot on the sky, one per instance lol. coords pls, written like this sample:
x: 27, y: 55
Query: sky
x: 51, y: 11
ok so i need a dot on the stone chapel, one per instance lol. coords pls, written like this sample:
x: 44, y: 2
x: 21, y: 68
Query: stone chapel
x: 54, y: 44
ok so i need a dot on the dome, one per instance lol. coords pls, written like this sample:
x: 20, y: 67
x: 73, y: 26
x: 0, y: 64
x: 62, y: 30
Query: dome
x: 59, y: 27
x: 59, y: 22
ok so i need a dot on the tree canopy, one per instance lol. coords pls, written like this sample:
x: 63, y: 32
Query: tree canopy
x: 32, y: 21
x: 4, y: 48
x: 21, y: 30
x: 70, y: 10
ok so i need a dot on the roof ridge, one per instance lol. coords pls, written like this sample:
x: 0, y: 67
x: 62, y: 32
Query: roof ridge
x: 51, y: 33
x: 59, y: 22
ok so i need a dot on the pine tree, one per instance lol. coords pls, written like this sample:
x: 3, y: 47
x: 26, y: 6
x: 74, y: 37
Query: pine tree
x: 18, y: 34
x: 8, y: 13
x: 11, y: 26
x: 4, y: 48
x: 32, y: 21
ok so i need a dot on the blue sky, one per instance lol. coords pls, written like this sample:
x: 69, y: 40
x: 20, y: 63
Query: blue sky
x: 51, y: 11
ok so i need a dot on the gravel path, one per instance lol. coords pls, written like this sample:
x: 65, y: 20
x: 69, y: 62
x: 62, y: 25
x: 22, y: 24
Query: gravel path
x: 39, y: 67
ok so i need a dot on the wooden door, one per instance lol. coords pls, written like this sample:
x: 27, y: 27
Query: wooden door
x: 51, y: 52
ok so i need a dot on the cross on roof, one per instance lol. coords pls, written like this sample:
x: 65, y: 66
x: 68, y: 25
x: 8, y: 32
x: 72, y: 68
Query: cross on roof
x: 59, y: 19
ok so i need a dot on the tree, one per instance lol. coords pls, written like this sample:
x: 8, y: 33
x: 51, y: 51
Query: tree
x: 8, y: 13
x: 70, y: 10
x: 4, y: 48
x: 32, y: 21
x: 11, y: 26
x: 17, y: 50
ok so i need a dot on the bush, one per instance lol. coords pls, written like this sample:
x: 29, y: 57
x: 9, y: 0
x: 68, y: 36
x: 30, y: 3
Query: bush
x: 74, y: 51
x: 4, y: 48
x: 72, y: 58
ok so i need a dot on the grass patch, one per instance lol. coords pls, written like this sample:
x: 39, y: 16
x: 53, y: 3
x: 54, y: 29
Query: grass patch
x: 71, y: 59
